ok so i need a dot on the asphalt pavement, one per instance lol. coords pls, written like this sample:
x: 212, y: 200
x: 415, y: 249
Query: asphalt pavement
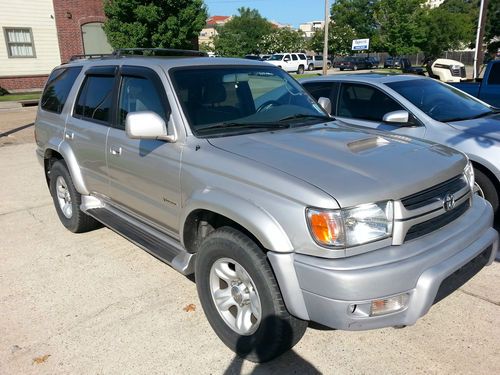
x: 96, y: 304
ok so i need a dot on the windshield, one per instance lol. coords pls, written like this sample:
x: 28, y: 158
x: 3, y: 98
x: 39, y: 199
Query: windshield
x: 276, y: 58
x: 439, y: 101
x: 243, y: 99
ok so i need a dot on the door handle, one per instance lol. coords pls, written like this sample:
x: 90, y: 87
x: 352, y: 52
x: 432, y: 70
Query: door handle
x: 69, y: 135
x: 115, y: 150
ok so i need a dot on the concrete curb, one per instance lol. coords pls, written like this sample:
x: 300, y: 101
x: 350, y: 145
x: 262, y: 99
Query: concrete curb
x: 10, y: 105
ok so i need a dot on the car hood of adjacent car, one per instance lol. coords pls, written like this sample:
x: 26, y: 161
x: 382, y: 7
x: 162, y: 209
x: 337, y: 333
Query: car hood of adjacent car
x: 354, y: 166
x: 488, y: 127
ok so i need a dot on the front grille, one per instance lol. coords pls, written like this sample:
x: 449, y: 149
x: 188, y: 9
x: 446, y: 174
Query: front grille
x: 462, y: 275
x: 434, y: 194
x: 460, y: 72
x: 433, y: 224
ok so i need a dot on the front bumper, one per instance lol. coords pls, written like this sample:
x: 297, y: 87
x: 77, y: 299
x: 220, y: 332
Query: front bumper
x: 428, y: 269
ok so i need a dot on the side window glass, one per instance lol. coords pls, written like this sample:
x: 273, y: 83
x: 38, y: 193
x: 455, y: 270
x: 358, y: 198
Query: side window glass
x: 294, y: 57
x: 94, y: 99
x: 139, y: 94
x: 287, y: 57
x: 494, y: 77
x: 58, y: 87
x: 365, y: 103
x: 324, y: 89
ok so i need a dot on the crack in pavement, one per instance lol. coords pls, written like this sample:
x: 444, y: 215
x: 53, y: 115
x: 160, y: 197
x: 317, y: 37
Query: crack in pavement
x: 25, y: 209
x: 480, y: 297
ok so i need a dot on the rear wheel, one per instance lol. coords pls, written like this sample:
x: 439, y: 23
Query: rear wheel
x: 486, y: 189
x: 328, y: 65
x: 355, y: 67
x: 310, y: 67
x: 300, y: 70
x: 241, y: 299
x: 67, y: 200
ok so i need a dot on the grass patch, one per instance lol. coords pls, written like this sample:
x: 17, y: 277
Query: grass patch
x: 20, y: 96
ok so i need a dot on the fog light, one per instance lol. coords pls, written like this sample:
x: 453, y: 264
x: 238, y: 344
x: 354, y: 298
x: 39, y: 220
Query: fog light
x: 389, y: 305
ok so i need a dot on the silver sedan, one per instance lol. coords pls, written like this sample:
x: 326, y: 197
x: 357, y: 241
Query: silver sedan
x: 419, y: 107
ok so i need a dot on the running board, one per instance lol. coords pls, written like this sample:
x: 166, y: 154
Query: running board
x: 158, y: 244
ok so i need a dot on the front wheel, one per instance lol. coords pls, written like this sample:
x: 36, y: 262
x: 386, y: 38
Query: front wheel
x: 241, y: 299
x: 300, y: 70
x: 310, y: 67
x: 328, y: 66
x: 485, y: 188
x: 355, y: 67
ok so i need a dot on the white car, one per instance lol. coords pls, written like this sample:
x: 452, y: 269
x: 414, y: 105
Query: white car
x: 289, y: 62
x: 449, y: 70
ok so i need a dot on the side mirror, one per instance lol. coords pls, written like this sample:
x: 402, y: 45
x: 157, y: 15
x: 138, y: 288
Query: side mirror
x: 326, y: 104
x: 398, y: 117
x: 147, y: 125
x: 286, y: 59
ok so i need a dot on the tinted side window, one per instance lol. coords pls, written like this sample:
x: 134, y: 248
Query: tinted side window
x: 319, y: 58
x: 494, y: 78
x: 364, y: 102
x: 324, y: 89
x: 294, y: 57
x: 94, y: 99
x: 58, y: 87
x: 139, y: 94
x: 302, y: 56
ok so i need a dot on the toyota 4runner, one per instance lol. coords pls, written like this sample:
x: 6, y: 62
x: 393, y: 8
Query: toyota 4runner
x: 228, y: 169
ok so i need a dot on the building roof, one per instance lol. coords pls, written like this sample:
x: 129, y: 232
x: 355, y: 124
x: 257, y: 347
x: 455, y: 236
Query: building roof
x: 215, y: 20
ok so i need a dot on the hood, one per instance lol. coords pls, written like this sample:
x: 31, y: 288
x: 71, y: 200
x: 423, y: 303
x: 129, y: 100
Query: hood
x: 354, y: 166
x: 488, y: 126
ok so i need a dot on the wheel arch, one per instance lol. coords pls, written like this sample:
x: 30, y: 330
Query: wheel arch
x: 208, y: 210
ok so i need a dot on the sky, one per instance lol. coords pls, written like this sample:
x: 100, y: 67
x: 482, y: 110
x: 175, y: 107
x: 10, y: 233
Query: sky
x: 292, y: 12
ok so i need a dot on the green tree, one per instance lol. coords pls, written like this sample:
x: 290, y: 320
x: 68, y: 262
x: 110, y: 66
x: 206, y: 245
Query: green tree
x: 339, y: 40
x: 357, y: 17
x: 154, y: 23
x: 493, y: 21
x: 401, y: 32
x: 448, y: 27
x: 242, y: 34
x: 282, y: 40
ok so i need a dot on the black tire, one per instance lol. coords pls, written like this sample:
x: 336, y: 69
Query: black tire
x: 355, y: 67
x: 301, y: 69
x: 328, y: 66
x: 277, y: 331
x: 341, y: 69
x: 310, y: 67
x: 488, y: 189
x: 78, y: 222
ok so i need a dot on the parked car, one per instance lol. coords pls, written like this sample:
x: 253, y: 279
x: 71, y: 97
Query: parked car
x: 406, y: 67
x: 373, y: 61
x: 227, y: 168
x: 487, y: 88
x: 447, y: 70
x: 425, y: 108
x: 253, y: 57
x: 289, y: 62
x: 354, y: 63
x: 265, y: 57
x: 392, y: 62
x: 316, y: 62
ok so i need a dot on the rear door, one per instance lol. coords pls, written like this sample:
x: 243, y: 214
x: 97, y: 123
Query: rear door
x: 366, y: 105
x: 490, y: 93
x: 143, y: 173
x: 88, y: 126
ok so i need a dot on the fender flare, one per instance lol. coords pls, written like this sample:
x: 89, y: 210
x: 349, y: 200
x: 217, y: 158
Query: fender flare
x: 74, y: 169
x: 246, y: 213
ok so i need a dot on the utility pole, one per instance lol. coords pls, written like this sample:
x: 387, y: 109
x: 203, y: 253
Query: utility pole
x: 478, y: 55
x: 325, y: 46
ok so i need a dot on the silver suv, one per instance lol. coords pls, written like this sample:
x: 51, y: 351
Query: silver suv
x: 228, y: 169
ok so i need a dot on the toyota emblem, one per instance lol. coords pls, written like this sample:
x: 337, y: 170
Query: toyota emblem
x: 449, y: 202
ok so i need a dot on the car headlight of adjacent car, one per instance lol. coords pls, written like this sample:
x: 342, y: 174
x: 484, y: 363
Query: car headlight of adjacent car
x: 469, y: 175
x: 352, y: 226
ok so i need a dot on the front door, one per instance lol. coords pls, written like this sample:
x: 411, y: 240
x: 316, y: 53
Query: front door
x: 365, y: 105
x: 143, y: 173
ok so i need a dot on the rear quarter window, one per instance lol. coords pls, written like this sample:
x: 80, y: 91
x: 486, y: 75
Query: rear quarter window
x: 494, y: 77
x: 58, y: 87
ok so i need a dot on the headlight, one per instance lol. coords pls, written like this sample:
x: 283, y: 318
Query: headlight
x: 469, y: 175
x: 351, y: 226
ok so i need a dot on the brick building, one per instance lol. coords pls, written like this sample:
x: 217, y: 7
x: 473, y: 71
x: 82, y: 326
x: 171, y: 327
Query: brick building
x: 40, y: 34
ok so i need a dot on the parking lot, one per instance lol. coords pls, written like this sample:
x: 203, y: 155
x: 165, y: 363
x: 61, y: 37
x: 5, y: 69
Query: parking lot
x: 96, y: 304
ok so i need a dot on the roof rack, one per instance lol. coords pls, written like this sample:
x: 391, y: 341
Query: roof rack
x: 90, y: 56
x: 166, y: 52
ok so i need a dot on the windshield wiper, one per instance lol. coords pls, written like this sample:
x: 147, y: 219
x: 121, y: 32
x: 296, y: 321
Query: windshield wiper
x: 303, y: 116
x: 241, y: 125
